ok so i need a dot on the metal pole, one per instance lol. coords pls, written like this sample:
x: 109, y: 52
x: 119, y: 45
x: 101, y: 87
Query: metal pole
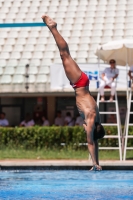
x: 98, y: 95
x: 27, y: 78
x: 119, y: 125
x: 127, y: 124
x: 28, y: 24
x: 127, y: 78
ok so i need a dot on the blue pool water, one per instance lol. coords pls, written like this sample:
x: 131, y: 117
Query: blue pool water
x: 66, y: 185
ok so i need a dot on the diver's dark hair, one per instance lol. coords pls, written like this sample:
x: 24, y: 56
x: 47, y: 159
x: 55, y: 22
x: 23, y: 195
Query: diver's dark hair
x: 99, y: 131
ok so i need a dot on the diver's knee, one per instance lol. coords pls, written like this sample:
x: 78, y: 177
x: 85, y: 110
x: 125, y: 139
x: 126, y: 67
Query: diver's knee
x: 64, y: 54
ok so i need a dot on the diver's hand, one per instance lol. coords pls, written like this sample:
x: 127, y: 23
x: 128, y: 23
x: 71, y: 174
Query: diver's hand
x: 96, y: 168
x: 91, y: 169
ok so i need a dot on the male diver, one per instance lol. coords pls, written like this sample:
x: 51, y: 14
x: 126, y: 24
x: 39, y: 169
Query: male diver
x: 85, y: 103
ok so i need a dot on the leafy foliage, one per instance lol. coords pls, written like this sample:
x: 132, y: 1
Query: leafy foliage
x: 50, y: 137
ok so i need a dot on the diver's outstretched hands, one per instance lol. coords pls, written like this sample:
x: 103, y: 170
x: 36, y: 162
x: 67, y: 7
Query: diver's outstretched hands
x: 96, y: 168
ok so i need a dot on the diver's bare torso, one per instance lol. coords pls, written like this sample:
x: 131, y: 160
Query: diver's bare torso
x: 86, y: 103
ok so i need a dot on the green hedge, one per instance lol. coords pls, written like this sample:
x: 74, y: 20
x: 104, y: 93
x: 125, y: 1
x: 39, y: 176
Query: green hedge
x: 48, y: 137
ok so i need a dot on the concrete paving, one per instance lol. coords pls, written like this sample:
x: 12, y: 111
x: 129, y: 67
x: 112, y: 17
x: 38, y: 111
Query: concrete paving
x: 63, y: 164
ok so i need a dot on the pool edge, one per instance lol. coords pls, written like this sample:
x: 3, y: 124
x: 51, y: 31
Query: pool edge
x: 63, y: 165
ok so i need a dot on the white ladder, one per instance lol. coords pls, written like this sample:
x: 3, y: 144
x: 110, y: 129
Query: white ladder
x: 117, y: 124
x: 128, y: 124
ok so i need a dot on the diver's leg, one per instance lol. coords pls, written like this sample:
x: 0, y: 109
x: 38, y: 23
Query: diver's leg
x: 72, y: 70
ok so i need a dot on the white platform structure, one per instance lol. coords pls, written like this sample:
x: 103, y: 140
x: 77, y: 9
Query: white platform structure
x: 117, y: 124
x: 127, y: 125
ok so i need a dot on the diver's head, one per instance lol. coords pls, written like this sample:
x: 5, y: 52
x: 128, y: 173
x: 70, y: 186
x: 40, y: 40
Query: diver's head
x: 99, y: 131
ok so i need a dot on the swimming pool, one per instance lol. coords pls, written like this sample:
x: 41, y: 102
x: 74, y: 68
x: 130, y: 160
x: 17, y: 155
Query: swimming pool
x: 66, y: 185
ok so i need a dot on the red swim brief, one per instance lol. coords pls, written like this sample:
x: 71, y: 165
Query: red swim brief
x: 82, y: 82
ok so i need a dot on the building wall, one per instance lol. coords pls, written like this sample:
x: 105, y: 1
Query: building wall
x: 51, y: 109
x: 16, y: 107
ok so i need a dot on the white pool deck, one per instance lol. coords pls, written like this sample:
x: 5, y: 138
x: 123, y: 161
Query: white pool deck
x: 63, y: 164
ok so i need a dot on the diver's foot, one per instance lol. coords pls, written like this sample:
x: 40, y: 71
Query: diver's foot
x: 50, y: 22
